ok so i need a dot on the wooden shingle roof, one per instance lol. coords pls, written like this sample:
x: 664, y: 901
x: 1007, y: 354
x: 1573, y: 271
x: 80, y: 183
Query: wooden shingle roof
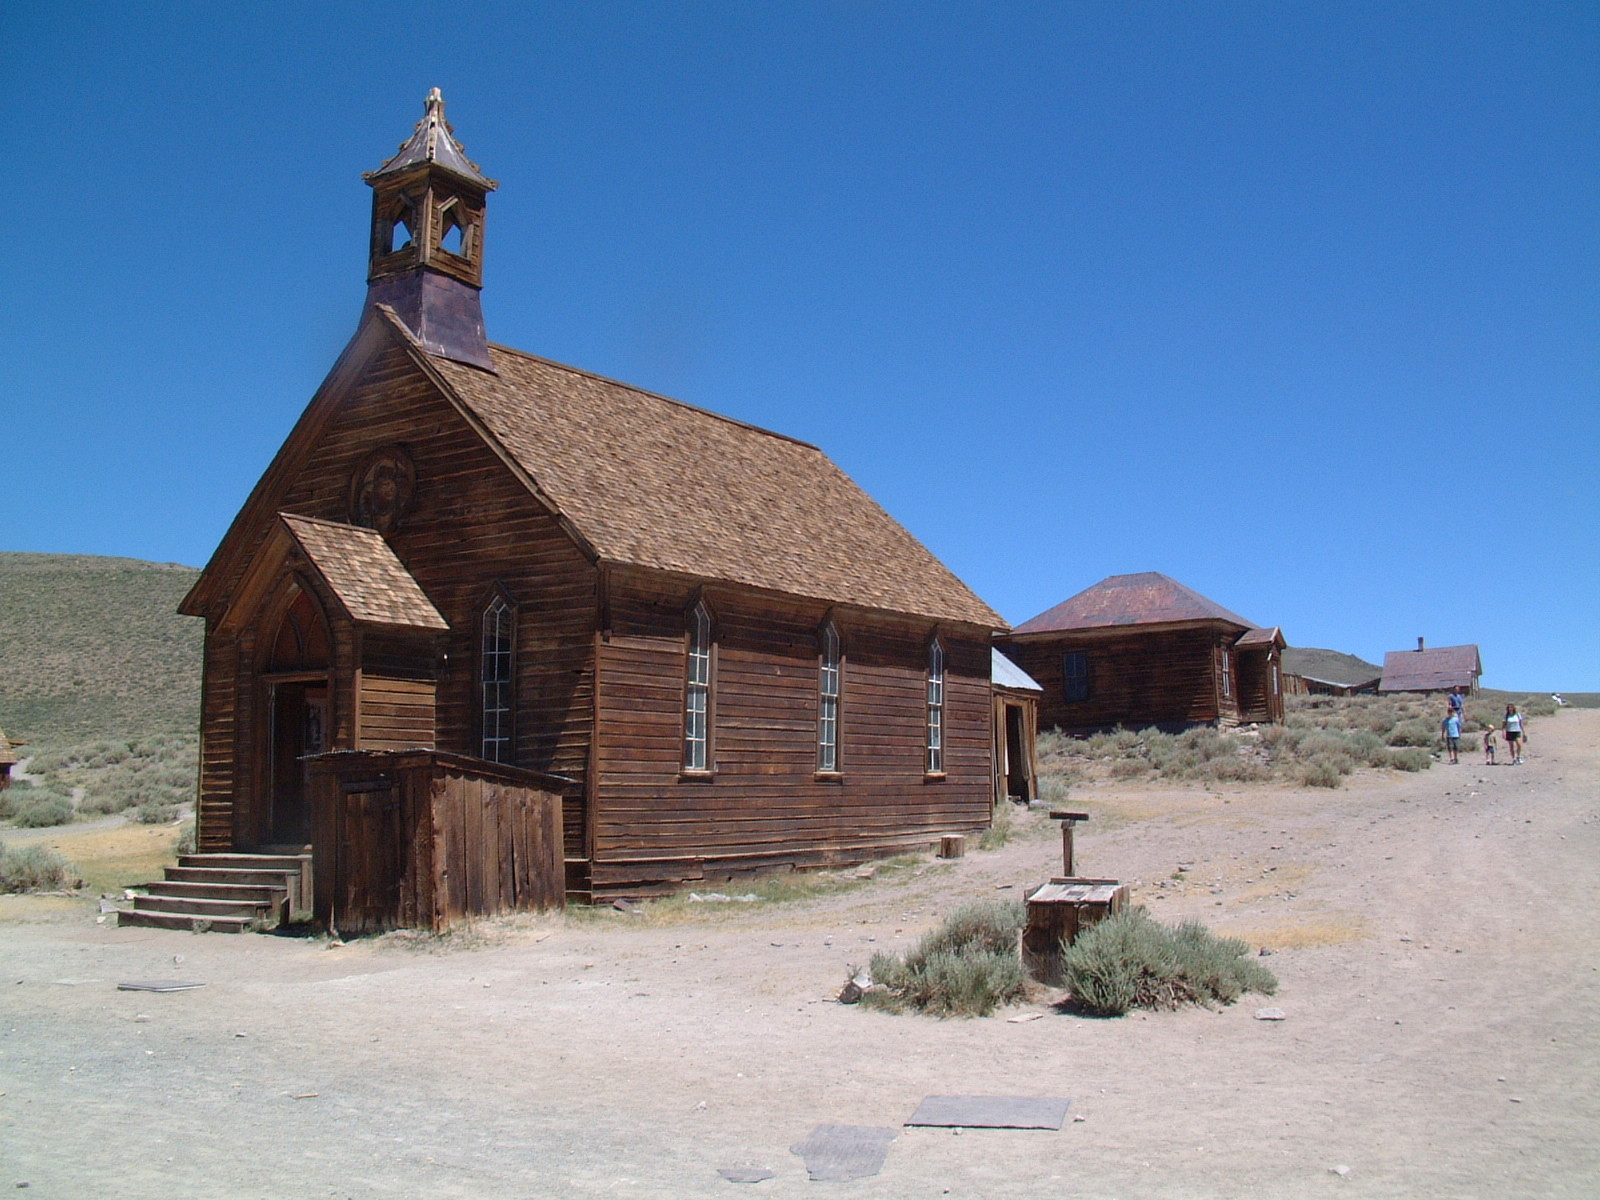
x: 1146, y: 598
x: 364, y: 574
x: 649, y: 481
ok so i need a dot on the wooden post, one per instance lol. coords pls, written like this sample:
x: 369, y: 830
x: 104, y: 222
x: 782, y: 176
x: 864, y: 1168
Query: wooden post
x: 1068, y: 820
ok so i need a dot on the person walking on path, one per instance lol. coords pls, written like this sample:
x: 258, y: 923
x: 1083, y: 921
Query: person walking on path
x: 1516, y: 737
x: 1452, y: 735
x: 1458, y: 703
x: 1488, y: 746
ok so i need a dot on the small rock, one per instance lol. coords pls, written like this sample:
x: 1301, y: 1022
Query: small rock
x: 1341, y: 1170
x: 1271, y: 1014
x: 142, y: 1017
x: 1027, y: 1016
x: 1265, y: 952
x: 1080, y: 1117
x: 1515, y: 1099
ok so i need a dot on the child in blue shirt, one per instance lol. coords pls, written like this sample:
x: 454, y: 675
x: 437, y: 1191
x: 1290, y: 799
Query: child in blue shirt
x: 1452, y: 735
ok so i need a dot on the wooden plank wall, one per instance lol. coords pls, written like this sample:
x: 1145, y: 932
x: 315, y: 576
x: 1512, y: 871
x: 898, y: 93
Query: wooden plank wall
x: 218, y: 722
x: 396, y: 714
x: 765, y: 805
x: 1157, y: 677
x: 404, y: 841
x: 472, y: 526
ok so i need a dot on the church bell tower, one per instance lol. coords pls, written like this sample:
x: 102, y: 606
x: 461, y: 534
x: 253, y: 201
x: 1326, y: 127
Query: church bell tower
x: 426, y: 259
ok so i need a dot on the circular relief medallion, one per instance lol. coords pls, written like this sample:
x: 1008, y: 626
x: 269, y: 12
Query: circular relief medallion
x: 381, y: 490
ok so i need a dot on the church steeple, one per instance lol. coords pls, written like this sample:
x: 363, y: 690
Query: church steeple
x: 426, y: 259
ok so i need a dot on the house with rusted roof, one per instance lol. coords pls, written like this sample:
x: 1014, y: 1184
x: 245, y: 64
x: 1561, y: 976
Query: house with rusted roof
x: 703, y: 637
x: 1144, y: 650
x: 8, y: 758
x: 1441, y: 669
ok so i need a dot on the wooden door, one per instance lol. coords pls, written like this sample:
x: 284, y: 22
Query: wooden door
x: 370, y: 857
x: 299, y: 730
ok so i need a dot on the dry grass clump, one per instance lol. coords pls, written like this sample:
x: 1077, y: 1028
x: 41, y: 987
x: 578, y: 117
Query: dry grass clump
x: 33, y: 869
x: 1130, y: 961
x: 967, y: 967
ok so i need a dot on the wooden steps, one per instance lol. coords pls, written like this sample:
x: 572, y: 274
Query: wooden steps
x: 224, y: 893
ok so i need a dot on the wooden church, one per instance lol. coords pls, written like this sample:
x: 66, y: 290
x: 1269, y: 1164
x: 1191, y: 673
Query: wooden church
x: 473, y: 577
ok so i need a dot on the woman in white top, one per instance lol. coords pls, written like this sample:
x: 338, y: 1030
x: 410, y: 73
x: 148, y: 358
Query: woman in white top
x: 1514, y: 734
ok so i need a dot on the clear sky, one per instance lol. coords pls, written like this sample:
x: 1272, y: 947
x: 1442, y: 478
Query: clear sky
x: 1297, y: 303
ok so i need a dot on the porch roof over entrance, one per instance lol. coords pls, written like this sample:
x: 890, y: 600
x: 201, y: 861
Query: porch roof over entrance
x: 363, y: 572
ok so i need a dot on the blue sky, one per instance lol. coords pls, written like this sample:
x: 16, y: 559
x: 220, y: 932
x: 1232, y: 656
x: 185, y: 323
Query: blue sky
x: 1296, y: 303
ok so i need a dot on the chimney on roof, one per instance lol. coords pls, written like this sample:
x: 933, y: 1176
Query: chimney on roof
x: 1421, y: 646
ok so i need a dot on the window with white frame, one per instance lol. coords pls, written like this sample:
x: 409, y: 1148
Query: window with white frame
x: 697, y: 693
x: 935, y: 761
x: 1227, y: 674
x: 495, y: 678
x: 828, y: 699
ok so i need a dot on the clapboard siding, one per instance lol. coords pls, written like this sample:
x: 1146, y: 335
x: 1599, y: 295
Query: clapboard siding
x: 472, y: 526
x: 763, y: 804
x: 1138, y: 678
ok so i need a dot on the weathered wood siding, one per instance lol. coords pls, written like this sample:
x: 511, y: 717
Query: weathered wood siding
x: 472, y: 527
x: 218, y: 721
x: 396, y: 714
x: 1152, y: 677
x: 764, y: 803
x: 421, y: 839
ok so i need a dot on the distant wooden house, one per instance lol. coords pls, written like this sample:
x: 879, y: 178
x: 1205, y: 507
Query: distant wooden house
x: 718, y: 650
x: 8, y: 759
x: 1016, y: 726
x: 1442, y: 669
x: 1309, y: 672
x: 1141, y: 650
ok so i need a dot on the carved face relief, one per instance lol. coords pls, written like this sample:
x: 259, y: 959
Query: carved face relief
x: 381, y: 490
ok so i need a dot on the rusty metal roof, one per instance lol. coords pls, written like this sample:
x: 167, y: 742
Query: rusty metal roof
x: 433, y: 141
x: 1260, y: 637
x: 1431, y: 670
x: 363, y: 572
x: 1147, y: 598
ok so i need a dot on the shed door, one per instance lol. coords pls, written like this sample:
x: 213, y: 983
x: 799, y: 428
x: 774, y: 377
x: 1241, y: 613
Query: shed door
x: 371, y: 857
x: 1018, y: 776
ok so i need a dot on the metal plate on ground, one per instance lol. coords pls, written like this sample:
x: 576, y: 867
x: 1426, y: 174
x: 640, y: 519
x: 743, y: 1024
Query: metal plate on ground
x: 157, y: 985
x: 992, y: 1112
x: 844, y: 1152
x: 745, y: 1174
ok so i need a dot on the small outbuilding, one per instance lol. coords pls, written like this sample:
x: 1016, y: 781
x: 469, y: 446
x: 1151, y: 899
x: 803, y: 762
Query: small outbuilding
x: 1442, y: 669
x: 1016, y: 724
x: 8, y: 759
x: 1141, y: 650
x: 1312, y: 672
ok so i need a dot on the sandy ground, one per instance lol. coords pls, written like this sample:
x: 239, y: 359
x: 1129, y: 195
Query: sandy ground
x: 1435, y: 938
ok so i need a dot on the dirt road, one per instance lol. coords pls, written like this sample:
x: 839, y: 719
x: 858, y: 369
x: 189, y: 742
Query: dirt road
x: 1434, y: 935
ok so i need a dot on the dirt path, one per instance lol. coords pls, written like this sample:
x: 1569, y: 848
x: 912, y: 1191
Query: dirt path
x: 1434, y: 936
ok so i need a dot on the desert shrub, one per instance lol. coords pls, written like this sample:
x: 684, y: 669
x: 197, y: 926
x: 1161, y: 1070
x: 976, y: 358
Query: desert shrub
x: 1410, y: 758
x: 1129, y: 768
x: 1054, y: 790
x: 1366, y: 747
x: 1322, y: 772
x: 1415, y: 731
x: 1130, y: 961
x: 32, y: 869
x: 39, y: 807
x: 967, y: 967
x: 184, y: 843
x: 155, y: 813
x: 8, y: 803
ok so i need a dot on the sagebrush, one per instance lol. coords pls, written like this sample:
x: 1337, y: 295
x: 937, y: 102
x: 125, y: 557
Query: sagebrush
x: 33, y: 869
x: 968, y: 967
x: 1131, y: 961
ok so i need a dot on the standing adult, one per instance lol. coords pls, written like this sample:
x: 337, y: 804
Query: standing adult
x: 1515, y: 735
x: 1458, y: 703
x: 1452, y: 734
